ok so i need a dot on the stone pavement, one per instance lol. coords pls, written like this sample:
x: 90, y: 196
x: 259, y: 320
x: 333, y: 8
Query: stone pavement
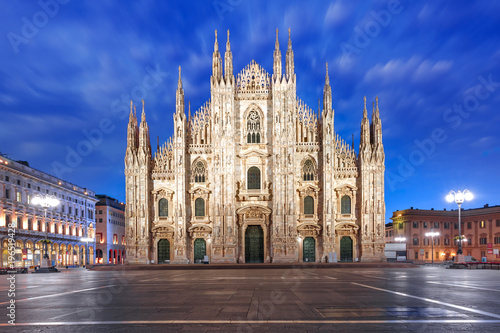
x: 300, y: 299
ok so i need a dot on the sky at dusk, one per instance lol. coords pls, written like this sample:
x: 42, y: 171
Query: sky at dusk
x: 69, y: 69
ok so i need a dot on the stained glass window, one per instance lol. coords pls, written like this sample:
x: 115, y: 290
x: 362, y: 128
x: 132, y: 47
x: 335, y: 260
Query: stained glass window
x: 253, y: 127
x: 308, y: 205
x: 199, y: 207
x: 308, y: 170
x: 253, y: 178
x: 345, y: 205
x: 163, y: 207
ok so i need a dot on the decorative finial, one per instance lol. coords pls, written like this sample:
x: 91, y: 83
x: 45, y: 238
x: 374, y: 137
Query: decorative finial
x: 277, y: 44
x: 365, y: 113
x: 216, y: 44
x: 179, y: 83
x: 289, y: 39
x: 228, y: 45
x: 327, y: 78
x: 376, y: 102
x: 143, y: 115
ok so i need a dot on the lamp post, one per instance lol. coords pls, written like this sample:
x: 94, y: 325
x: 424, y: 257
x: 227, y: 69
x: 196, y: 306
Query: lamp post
x: 45, y: 201
x: 459, y: 198
x: 432, y: 234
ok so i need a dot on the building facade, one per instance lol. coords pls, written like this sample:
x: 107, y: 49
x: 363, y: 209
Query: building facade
x: 254, y: 175
x: 63, y: 225
x: 480, y: 226
x: 110, y: 230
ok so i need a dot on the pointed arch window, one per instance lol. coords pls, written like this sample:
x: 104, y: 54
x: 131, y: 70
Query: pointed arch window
x: 253, y: 127
x: 253, y: 178
x: 199, y: 172
x: 163, y: 207
x: 199, y: 207
x: 308, y: 170
x: 345, y: 205
x: 308, y: 205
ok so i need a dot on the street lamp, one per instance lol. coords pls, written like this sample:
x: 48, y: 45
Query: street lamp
x: 432, y: 234
x: 459, y: 198
x: 45, y: 201
x: 87, y: 240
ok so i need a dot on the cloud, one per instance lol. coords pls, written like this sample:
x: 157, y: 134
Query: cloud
x: 414, y: 69
x: 336, y: 13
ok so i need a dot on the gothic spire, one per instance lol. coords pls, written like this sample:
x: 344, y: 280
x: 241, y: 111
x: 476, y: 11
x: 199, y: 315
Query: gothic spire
x: 216, y: 43
x: 143, y: 115
x: 277, y: 59
x: 289, y: 59
x: 132, y: 138
x: 365, y: 128
x: 228, y: 61
x: 179, y: 97
x: 179, y: 82
x: 216, y: 61
x: 144, y: 142
x: 131, y: 115
x: 377, y: 125
x: 327, y: 95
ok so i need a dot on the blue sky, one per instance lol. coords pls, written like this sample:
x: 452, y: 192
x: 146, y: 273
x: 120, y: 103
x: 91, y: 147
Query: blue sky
x: 69, y: 69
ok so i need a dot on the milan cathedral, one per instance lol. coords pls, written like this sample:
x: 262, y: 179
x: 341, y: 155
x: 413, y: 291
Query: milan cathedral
x: 254, y: 176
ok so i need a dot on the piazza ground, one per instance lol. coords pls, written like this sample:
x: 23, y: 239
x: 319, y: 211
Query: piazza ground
x: 285, y: 299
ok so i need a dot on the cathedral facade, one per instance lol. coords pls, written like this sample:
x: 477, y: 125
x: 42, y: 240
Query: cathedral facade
x: 254, y: 176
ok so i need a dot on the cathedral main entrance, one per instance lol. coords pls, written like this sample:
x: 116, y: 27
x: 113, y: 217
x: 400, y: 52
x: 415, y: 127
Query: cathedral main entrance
x: 200, y: 250
x: 163, y: 250
x: 254, y: 244
x: 346, y: 249
x: 309, y: 250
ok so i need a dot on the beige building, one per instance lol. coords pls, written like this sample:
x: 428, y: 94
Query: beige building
x: 254, y: 175
x: 480, y: 226
x: 64, y: 225
x: 110, y: 230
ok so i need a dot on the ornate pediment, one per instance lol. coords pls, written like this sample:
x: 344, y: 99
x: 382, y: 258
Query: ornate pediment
x: 198, y: 190
x: 247, y: 209
x: 343, y: 186
x: 199, y: 230
x: 163, y: 231
x: 254, y: 152
x: 162, y: 192
x: 162, y: 228
x: 309, y: 189
x: 346, y: 226
x: 309, y: 229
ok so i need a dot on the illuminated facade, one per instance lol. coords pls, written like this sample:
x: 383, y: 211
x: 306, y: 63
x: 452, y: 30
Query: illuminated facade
x: 254, y: 175
x: 110, y: 230
x: 481, y: 227
x: 67, y: 223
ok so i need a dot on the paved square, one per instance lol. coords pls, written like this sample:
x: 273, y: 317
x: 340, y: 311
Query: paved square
x: 301, y: 299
